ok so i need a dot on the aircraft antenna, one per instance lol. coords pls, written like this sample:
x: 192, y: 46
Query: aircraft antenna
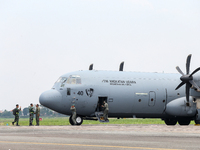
x: 91, y: 67
x: 121, y: 67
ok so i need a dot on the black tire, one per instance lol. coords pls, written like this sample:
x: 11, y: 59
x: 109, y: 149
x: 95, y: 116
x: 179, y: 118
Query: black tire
x: 184, y: 122
x: 79, y: 120
x: 197, y: 121
x: 170, y: 122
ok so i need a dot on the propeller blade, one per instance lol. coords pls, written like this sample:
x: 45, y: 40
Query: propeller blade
x: 187, y: 91
x: 194, y: 71
x: 181, y: 84
x: 188, y: 64
x: 194, y: 84
x: 179, y: 70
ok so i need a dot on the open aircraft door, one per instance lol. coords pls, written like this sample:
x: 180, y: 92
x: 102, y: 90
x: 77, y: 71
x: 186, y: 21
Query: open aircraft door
x: 101, y: 99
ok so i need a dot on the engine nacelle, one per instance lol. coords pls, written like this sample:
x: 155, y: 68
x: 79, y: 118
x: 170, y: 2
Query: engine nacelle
x: 179, y: 108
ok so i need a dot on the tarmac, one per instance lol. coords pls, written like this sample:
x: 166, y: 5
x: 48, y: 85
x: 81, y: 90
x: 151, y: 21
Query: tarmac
x: 100, y: 137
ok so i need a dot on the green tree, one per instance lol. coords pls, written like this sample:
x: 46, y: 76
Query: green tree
x: 25, y: 111
x: 7, y: 114
x: 46, y: 112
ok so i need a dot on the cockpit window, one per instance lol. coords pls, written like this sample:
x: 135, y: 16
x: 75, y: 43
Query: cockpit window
x: 62, y: 80
x: 74, y: 79
x: 59, y: 80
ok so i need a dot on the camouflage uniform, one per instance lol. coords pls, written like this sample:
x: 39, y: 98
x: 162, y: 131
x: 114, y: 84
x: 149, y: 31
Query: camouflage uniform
x: 73, y: 109
x: 16, y: 116
x: 37, y: 115
x: 105, y: 112
x: 31, y: 113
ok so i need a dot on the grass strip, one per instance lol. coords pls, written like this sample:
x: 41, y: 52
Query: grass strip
x: 63, y: 121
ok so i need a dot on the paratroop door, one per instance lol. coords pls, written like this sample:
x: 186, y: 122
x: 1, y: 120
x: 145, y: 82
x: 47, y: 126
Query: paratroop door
x: 152, y: 98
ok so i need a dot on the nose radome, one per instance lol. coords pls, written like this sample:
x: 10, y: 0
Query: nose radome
x: 50, y: 98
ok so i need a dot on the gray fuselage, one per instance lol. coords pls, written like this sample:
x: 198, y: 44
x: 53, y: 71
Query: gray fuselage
x: 128, y: 94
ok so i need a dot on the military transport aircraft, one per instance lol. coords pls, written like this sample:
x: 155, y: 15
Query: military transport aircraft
x: 128, y: 94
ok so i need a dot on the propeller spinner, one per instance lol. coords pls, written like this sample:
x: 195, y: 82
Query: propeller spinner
x: 187, y: 78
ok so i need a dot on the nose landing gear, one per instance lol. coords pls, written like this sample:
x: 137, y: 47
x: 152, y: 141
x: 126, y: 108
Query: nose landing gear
x: 79, y: 120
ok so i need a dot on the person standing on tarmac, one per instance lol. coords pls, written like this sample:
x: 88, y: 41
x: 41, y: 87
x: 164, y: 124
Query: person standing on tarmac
x: 105, y: 111
x: 73, y: 109
x: 31, y: 114
x: 16, y: 113
x: 37, y: 114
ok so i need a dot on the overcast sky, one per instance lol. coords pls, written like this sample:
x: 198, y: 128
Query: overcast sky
x: 41, y: 40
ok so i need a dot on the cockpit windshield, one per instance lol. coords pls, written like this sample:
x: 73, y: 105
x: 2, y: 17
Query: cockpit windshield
x: 62, y: 80
x: 74, y: 79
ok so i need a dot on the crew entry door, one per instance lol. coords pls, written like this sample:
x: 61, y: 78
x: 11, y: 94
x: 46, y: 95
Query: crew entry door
x: 152, y: 98
x: 100, y: 103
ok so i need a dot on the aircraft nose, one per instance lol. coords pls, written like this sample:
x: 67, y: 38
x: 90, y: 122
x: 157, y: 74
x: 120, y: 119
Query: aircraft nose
x: 50, y: 98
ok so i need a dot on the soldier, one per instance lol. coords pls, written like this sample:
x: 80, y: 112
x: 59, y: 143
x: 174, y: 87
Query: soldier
x: 73, y: 109
x: 16, y: 113
x: 37, y: 114
x: 105, y: 111
x: 31, y: 113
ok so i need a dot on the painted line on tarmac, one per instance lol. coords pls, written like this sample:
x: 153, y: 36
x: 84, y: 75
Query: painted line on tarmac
x: 85, y: 145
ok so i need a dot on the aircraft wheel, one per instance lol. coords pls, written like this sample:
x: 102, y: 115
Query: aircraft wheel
x: 197, y: 121
x: 170, y: 122
x: 184, y: 122
x: 79, y: 120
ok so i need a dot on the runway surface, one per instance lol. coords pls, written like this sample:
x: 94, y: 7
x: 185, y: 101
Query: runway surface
x: 100, y: 137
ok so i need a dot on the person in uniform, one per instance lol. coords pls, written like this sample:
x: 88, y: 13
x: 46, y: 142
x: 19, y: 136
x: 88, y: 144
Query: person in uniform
x: 105, y: 111
x: 31, y: 114
x: 73, y: 109
x: 37, y: 114
x: 16, y: 115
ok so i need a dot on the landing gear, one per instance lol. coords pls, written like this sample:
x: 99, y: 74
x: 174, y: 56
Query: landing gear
x: 170, y: 122
x: 184, y: 122
x: 197, y: 119
x: 79, y: 120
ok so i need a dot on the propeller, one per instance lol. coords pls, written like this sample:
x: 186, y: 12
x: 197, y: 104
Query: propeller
x: 187, y: 78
